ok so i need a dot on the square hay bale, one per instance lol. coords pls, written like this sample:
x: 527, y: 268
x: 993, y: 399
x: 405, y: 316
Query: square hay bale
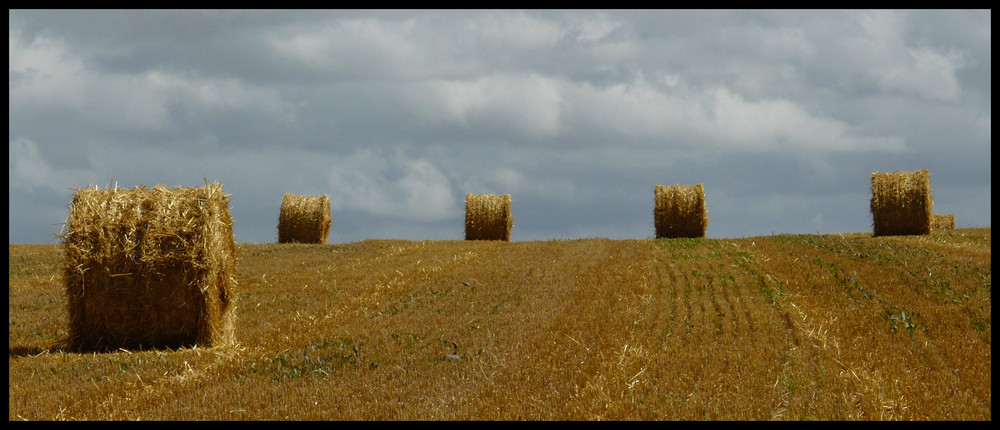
x: 943, y: 222
x: 901, y: 203
x: 149, y: 267
x: 304, y: 219
x: 487, y: 217
x: 680, y: 211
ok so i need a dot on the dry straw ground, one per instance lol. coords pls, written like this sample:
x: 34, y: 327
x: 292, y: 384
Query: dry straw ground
x: 149, y: 266
x: 785, y: 327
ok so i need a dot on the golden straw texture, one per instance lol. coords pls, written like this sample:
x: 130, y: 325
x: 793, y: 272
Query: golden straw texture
x: 680, y: 211
x: 304, y: 219
x: 943, y: 222
x: 901, y: 203
x: 149, y: 267
x: 487, y: 217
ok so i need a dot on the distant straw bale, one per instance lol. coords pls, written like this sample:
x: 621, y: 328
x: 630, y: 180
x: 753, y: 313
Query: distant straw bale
x: 149, y: 267
x: 304, y: 219
x: 901, y: 203
x: 680, y: 211
x: 943, y: 222
x: 487, y: 217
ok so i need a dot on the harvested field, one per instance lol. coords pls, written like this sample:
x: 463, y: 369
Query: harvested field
x: 785, y: 327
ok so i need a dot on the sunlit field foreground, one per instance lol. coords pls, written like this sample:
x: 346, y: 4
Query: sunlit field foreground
x: 784, y: 327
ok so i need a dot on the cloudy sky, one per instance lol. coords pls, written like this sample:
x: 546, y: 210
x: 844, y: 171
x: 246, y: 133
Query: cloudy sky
x: 578, y: 114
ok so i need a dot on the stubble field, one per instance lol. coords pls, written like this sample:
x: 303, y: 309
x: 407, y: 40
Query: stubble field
x: 782, y: 327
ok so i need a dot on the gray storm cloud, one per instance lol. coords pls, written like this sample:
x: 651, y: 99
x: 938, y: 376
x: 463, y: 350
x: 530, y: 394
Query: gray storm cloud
x: 577, y: 113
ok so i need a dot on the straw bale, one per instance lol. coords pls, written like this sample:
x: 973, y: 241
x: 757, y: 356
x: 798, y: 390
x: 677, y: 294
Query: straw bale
x: 901, y: 203
x: 943, y: 222
x: 487, y: 217
x: 149, y: 267
x: 680, y: 211
x: 304, y: 219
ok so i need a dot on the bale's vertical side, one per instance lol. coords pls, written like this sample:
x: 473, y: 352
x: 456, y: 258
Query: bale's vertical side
x: 304, y: 219
x: 149, y: 267
x: 680, y: 211
x: 901, y: 203
x: 943, y: 222
x: 487, y: 217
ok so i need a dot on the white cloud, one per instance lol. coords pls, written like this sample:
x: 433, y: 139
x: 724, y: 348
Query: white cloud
x: 786, y: 43
x: 534, y: 185
x: 393, y: 186
x: 717, y: 117
x: 439, y: 46
x: 450, y: 45
x: 781, y: 124
x: 29, y: 171
x: 515, y: 31
x: 509, y: 179
x: 204, y: 94
x: 50, y: 77
x: 595, y: 29
x: 928, y: 74
x: 47, y: 76
x: 530, y: 104
x: 361, y: 48
x: 882, y: 28
x: 427, y: 193
x: 882, y: 53
x: 658, y: 113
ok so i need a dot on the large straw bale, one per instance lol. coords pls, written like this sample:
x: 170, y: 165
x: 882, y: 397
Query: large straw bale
x: 943, y: 222
x: 680, y: 211
x: 487, y: 217
x: 304, y: 219
x: 149, y: 267
x: 901, y: 203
